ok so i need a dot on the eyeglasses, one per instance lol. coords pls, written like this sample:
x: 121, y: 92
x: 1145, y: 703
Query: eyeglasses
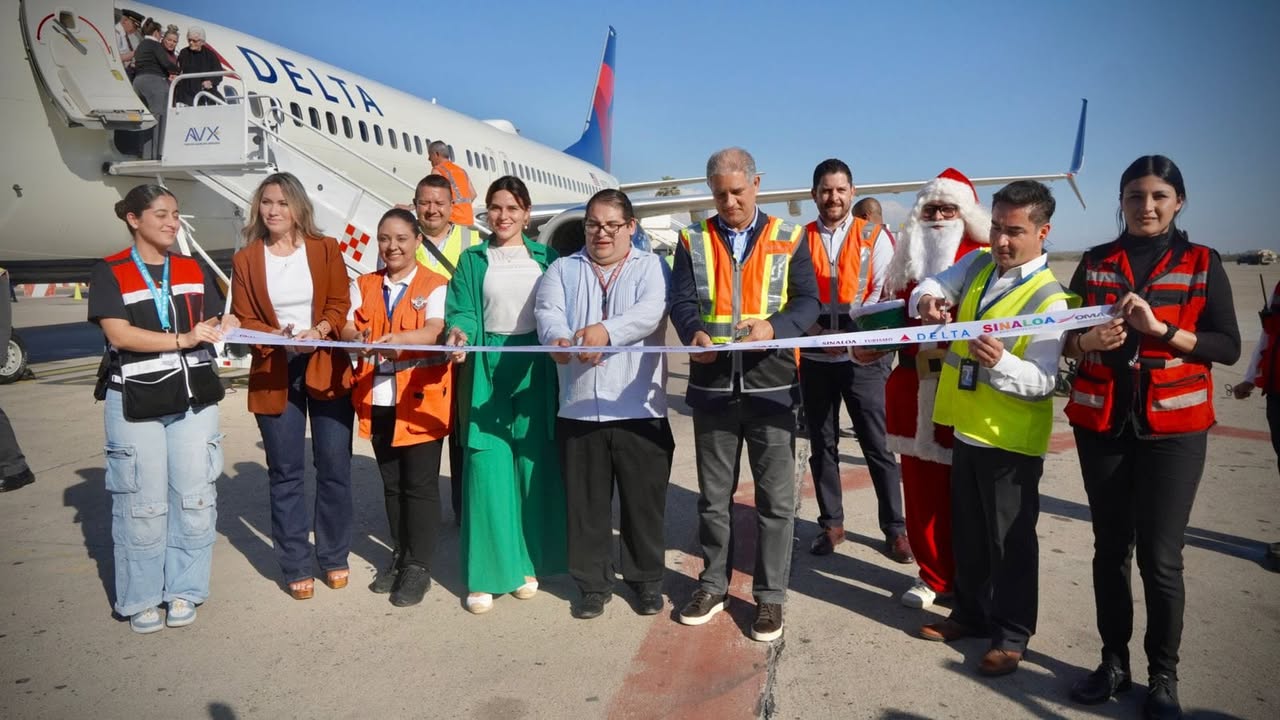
x: 610, y: 229
x: 943, y: 211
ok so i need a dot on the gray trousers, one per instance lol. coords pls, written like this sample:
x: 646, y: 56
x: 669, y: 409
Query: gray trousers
x: 718, y: 438
x: 154, y: 91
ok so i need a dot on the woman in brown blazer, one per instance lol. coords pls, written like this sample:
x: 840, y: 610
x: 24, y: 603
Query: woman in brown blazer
x: 290, y: 280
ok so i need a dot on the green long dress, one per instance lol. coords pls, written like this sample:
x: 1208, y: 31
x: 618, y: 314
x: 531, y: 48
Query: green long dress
x: 513, y: 520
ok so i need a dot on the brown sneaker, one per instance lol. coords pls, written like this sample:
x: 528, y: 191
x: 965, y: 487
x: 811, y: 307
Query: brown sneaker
x: 702, y: 607
x: 899, y: 549
x: 826, y: 541
x: 768, y: 622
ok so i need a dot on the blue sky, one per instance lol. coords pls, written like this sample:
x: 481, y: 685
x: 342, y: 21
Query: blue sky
x: 899, y: 90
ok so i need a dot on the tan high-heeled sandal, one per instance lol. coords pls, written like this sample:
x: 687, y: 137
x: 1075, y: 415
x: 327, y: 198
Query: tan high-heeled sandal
x: 337, y: 579
x: 302, y: 589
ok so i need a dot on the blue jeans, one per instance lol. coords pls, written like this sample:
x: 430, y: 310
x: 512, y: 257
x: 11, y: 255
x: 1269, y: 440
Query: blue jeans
x: 161, y: 474
x: 284, y: 437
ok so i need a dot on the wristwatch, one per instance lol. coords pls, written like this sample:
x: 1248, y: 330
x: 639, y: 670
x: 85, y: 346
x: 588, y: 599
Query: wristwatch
x: 1169, y: 332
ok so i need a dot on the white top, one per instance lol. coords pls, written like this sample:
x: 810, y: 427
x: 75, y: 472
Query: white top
x: 509, y: 287
x: 1035, y: 374
x: 289, y: 287
x: 881, y: 255
x: 384, y: 380
x: 1253, y: 370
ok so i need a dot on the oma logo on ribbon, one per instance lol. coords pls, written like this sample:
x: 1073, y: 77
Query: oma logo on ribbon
x: 203, y: 136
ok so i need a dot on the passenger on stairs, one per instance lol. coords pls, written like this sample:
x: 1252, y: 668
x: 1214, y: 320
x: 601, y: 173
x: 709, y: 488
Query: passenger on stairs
x: 151, y: 82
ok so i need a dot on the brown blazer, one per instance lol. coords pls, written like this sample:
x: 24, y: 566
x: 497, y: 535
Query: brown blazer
x: 331, y: 299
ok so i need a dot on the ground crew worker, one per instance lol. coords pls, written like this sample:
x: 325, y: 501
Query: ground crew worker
x: 459, y: 183
x: 403, y: 399
x: 742, y: 275
x: 998, y: 396
x: 850, y: 257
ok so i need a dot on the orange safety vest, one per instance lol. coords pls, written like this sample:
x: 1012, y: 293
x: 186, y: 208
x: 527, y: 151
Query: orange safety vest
x: 463, y: 193
x: 423, y: 384
x: 1176, y: 389
x: 845, y: 281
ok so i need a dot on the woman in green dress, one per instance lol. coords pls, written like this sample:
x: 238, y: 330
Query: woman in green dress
x: 513, y: 521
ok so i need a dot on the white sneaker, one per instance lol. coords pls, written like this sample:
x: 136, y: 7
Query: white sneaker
x: 919, y: 595
x: 181, y: 613
x: 478, y: 603
x: 147, y: 621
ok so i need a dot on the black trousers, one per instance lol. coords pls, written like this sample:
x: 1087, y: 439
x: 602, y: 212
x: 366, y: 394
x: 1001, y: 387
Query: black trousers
x: 1140, y: 495
x: 823, y: 386
x: 411, y: 489
x: 455, y: 453
x: 12, y: 461
x: 637, y: 454
x: 995, y: 502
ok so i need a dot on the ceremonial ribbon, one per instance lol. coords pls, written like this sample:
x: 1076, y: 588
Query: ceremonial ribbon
x: 1033, y: 324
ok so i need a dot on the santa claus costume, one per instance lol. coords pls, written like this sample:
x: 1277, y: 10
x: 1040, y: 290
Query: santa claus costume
x: 925, y: 248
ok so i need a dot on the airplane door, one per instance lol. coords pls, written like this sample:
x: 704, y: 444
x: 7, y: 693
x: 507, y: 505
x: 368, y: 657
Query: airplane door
x: 71, y: 44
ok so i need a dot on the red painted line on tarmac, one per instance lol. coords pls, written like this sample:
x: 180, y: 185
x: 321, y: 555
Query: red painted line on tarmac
x: 1240, y: 433
x: 712, y: 670
x: 1062, y: 442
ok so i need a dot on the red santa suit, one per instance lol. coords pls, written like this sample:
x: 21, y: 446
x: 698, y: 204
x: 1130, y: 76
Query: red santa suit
x: 924, y: 446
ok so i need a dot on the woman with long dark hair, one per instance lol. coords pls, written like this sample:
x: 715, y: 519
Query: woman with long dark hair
x: 1141, y: 406
x: 290, y: 280
x: 160, y: 312
x: 513, y: 523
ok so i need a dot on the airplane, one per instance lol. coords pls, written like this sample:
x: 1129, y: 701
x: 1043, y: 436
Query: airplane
x: 361, y: 145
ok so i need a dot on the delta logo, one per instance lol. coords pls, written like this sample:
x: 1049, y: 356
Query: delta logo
x: 1003, y: 325
x: 937, y: 335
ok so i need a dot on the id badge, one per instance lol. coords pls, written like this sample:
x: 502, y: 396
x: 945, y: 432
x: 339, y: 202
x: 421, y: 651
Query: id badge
x: 968, y: 374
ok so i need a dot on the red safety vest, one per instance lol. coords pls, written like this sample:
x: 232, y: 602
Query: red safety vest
x: 1176, y: 390
x: 1268, y: 379
x: 423, y: 384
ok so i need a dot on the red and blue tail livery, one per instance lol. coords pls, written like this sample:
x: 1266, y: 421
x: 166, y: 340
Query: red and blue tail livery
x: 596, y: 143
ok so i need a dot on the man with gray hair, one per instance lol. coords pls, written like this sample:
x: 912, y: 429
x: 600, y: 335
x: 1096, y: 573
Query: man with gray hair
x: 742, y: 275
x: 463, y: 194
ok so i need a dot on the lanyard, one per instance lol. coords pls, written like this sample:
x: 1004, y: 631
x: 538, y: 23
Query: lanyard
x: 606, y: 284
x: 984, y: 308
x: 386, y: 300
x: 159, y: 295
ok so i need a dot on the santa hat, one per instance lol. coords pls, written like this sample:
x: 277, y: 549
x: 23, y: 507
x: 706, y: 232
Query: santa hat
x: 910, y: 264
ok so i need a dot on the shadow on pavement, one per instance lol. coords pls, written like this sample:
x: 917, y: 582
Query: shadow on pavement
x: 92, y: 504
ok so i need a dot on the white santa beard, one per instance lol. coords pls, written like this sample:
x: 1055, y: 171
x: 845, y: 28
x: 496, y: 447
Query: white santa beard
x: 933, y: 249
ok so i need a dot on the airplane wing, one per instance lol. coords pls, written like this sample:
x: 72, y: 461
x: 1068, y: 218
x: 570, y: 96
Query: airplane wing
x: 645, y: 207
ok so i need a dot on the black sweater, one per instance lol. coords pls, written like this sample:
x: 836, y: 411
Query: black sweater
x: 152, y: 59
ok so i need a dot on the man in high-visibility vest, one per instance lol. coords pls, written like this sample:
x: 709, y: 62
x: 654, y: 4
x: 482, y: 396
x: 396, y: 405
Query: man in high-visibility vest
x: 998, y: 395
x: 850, y: 258
x: 433, y: 204
x: 460, y: 185
x: 742, y: 275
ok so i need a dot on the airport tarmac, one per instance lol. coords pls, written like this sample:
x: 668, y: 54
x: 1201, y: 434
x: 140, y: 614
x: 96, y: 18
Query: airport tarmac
x: 849, y: 648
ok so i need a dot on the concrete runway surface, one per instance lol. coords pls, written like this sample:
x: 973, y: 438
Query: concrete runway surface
x: 849, y: 648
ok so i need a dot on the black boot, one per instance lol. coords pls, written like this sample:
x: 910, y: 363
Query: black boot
x: 1162, y: 698
x: 1101, y: 685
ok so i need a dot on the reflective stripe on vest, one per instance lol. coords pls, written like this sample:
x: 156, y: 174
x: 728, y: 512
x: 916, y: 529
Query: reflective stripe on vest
x: 845, y: 280
x: 460, y: 238
x: 757, y: 287
x: 1003, y: 420
x: 1176, y: 388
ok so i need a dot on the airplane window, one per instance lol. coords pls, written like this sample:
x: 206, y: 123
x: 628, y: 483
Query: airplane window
x: 505, y: 169
x: 315, y: 117
x: 364, y: 131
x: 346, y: 127
x: 493, y: 163
x: 296, y: 111
x: 469, y: 158
x: 377, y: 134
x: 417, y: 144
x: 333, y: 124
x: 450, y: 150
x: 255, y: 105
x: 408, y: 147
x: 484, y: 160
x: 391, y: 138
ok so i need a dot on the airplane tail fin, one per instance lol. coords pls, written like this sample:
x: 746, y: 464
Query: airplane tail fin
x: 596, y: 142
x: 1077, y: 154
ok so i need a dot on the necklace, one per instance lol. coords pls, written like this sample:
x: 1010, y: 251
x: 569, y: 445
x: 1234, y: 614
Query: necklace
x: 507, y: 255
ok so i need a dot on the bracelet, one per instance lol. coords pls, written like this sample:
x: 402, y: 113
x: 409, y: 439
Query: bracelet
x: 177, y: 341
x: 1080, y: 343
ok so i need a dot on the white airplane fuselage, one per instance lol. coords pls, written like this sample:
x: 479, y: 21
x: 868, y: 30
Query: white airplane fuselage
x: 56, y: 205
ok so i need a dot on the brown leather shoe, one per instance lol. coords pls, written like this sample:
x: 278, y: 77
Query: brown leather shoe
x: 999, y: 662
x: 899, y: 550
x: 947, y: 631
x: 827, y: 540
